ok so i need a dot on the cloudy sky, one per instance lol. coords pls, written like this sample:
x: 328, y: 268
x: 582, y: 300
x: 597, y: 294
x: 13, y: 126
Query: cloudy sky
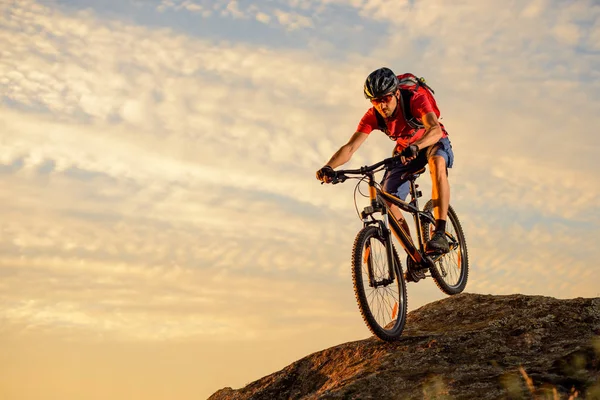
x: 162, y: 234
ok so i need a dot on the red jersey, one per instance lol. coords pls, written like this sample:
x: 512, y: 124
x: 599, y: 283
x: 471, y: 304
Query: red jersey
x: 397, y: 127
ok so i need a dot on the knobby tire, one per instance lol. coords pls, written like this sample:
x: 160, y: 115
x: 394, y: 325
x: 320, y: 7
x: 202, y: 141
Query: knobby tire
x: 395, y: 302
x: 456, y: 262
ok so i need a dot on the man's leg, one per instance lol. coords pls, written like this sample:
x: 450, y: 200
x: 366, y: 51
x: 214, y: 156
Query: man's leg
x: 392, y: 183
x: 398, y: 215
x: 440, y: 196
x: 440, y: 189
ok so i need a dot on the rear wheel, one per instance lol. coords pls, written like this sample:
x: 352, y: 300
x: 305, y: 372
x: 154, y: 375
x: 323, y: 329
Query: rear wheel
x: 450, y: 271
x: 379, y: 288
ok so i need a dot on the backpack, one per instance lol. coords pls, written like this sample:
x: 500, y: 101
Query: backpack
x: 409, y: 85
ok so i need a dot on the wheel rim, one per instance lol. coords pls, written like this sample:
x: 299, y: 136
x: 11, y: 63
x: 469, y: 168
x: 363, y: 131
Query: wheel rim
x: 381, y: 292
x: 450, y: 264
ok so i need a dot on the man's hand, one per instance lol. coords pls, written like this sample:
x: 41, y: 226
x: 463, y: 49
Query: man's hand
x: 325, y: 174
x: 409, y: 153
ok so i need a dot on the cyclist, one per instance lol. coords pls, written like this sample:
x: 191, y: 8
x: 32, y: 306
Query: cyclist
x: 416, y: 148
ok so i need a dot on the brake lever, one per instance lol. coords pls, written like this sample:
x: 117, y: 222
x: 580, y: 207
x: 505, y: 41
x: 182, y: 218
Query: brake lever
x: 338, y: 179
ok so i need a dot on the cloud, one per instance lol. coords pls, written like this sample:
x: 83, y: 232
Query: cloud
x: 188, y: 5
x: 292, y: 20
x: 567, y: 33
x: 233, y: 10
x: 150, y: 175
x: 262, y: 17
x: 263, y: 13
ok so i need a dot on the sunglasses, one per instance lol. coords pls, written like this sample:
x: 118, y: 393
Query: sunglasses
x: 383, y: 99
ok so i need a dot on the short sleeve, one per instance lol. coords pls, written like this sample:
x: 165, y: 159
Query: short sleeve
x: 368, y: 122
x: 420, y: 105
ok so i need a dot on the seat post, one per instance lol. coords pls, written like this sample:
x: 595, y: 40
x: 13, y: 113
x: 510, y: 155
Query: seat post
x: 413, y: 192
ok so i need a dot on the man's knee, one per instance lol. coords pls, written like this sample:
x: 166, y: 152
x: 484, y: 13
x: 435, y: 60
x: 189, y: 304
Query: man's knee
x: 437, y: 166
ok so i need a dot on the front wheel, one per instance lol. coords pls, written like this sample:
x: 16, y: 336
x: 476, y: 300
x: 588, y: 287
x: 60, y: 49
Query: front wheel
x: 450, y: 271
x: 379, y: 284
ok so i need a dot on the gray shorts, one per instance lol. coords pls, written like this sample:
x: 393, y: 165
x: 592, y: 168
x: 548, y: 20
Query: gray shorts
x: 392, y: 180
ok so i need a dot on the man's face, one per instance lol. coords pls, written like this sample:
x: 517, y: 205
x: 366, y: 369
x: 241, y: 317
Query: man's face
x: 386, y: 104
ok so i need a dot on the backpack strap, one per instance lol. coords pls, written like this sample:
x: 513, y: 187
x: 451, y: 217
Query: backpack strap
x: 406, y: 96
x: 404, y: 100
x: 382, y: 126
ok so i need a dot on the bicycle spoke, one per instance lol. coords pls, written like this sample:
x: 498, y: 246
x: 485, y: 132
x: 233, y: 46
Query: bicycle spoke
x: 450, y: 270
x: 383, y: 300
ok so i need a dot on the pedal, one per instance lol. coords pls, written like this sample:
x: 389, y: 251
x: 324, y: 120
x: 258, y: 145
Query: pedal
x: 413, y: 274
x: 436, y: 256
x: 419, y: 274
x: 434, y: 252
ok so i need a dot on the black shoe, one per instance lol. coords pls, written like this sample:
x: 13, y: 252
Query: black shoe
x: 438, y: 243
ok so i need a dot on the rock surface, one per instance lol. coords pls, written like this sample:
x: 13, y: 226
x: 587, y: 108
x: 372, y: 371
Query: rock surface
x: 466, y: 346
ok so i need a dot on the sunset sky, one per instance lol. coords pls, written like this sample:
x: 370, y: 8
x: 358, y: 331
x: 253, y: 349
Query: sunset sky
x: 162, y: 232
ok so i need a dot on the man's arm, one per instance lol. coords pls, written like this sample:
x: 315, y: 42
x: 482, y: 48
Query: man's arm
x: 433, y: 131
x: 344, y: 154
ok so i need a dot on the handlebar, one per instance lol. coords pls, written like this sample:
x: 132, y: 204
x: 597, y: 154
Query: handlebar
x: 340, y: 175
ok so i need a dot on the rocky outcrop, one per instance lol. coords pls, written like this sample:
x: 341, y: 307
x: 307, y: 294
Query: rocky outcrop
x: 466, y: 346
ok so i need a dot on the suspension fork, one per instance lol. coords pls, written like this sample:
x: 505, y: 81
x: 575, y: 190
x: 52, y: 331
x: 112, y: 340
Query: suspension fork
x: 388, y: 245
x: 385, y: 231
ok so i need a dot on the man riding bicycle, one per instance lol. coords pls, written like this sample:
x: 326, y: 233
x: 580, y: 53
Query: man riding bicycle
x: 417, y: 147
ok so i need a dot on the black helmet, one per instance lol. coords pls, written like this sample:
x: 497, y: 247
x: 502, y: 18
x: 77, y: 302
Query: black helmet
x: 380, y: 82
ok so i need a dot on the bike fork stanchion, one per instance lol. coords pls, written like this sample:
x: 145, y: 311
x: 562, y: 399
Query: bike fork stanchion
x: 387, y: 237
x: 369, y: 262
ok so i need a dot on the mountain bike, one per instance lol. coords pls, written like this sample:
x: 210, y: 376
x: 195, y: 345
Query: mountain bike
x: 377, y: 274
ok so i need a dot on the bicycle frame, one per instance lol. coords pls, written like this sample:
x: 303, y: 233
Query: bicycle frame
x: 379, y: 202
x: 381, y: 294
